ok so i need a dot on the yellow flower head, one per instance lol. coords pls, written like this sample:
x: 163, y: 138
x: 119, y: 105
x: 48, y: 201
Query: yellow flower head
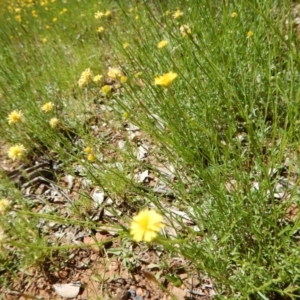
x: 91, y: 157
x: 125, y: 115
x: 162, y: 44
x: 85, y: 77
x: 125, y: 45
x: 16, y: 152
x: 249, y: 33
x: 107, y: 13
x: 234, y: 15
x: 123, y: 79
x: 99, y: 15
x: 177, y: 14
x: 18, y: 18
x: 88, y: 150
x: 97, y: 78
x: 44, y: 40
x: 53, y: 122
x: 47, y: 107
x: 114, y: 73
x: 100, y: 29
x: 54, y: 20
x: 146, y: 225
x: 106, y: 90
x: 4, y: 206
x: 185, y: 30
x: 15, y: 116
x: 165, y: 80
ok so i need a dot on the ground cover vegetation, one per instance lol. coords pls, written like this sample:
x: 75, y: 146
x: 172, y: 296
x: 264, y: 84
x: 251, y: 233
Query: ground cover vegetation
x: 166, y: 128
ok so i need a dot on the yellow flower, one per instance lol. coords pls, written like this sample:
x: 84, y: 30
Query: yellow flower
x: 47, y: 107
x: 125, y: 115
x: 16, y: 152
x: 53, y: 122
x: 47, y: 26
x: 44, y: 40
x: 18, y: 18
x: 15, y: 116
x: 114, y: 73
x: 165, y: 80
x: 88, y: 150
x: 85, y: 77
x: 249, y: 33
x: 125, y: 45
x: 97, y: 78
x: 107, y: 13
x: 91, y: 157
x: 4, y: 206
x: 123, y: 79
x: 162, y: 44
x: 234, y: 15
x: 34, y: 14
x: 146, y: 225
x: 137, y: 17
x: 99, y: 15
x: 106, y: 90
x: 64, y: 10
x: 54, y: 20
x: 100, y: 29
x: 185, y: 30
x: 177, y: 14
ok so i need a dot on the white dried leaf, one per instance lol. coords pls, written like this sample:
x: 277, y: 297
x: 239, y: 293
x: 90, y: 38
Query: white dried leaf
x: 121, y: 144
x: 142, y: 152
x: 132, y: 127
x: 68, y: 290
x: 98, y: 196
x: 141, y: 176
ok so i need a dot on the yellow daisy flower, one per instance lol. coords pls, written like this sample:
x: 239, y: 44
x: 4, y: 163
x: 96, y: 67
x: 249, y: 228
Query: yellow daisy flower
x: 177, y: 14
x: 99, y: 15
x: 85, y: 77
x: 100, y: 29
x: 162, y: 44
x: 53, y: 122
x: 15, y: 116
x: 16, y: 151
x: 4, y: 206
x: 185, y: 30
x: 146, y: 225
x: 91, y: 157
x: 165, y: 80
x: 250, y: 33
x: 47, y: 107
x: 97, y: 78
x: 107, y: 13
x: 88, y: 150
x: 234, y: 15
x: 123, y: 79
x: 114, y: 73
x: 106, y: 90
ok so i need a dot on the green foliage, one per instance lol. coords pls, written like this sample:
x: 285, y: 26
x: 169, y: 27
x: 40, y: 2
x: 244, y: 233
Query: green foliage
x: 228, y: 125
